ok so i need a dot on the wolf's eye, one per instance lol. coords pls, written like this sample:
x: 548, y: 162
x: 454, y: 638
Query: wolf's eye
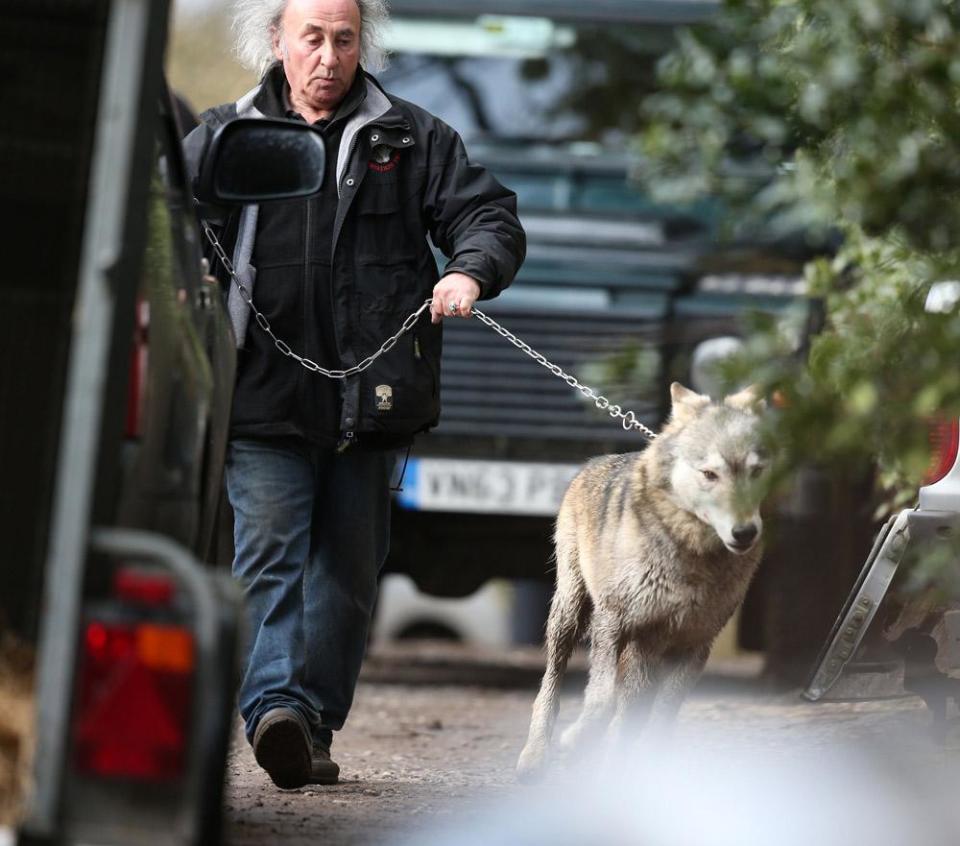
x: 756, y: 471
x: 709, y: 475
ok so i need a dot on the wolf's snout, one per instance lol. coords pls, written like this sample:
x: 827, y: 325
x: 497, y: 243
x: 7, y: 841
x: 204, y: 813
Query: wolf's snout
x: 744, y: 535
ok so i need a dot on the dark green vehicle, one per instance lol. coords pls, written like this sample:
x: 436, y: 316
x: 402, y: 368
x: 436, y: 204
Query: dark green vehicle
x: 116, y: 388
x: 617, y: 290
x: 622, y: 293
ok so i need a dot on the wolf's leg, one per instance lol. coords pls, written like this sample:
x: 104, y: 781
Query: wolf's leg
x: 567, y: 611
x: 599, y: 698
x: 680, y: 675
x: 634, y: 690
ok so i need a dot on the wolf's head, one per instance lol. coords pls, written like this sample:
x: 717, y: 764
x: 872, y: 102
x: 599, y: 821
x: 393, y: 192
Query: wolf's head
x: 714, y: 461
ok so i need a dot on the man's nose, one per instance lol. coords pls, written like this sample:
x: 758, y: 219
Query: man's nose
x: 329, y: 56
x: 745, y: 533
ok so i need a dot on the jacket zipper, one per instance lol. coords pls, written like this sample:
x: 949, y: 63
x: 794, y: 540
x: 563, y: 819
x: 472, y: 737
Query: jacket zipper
x: 301, y: 385
x: 347, y: 439
x: 347, y: 436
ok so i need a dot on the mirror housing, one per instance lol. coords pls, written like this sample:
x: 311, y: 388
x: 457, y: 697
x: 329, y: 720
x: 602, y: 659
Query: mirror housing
x: 255, y: 160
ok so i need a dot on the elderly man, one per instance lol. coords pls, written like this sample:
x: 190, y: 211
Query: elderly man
x: 309, y: 458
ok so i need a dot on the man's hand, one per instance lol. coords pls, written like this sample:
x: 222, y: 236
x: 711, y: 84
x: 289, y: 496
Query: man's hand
x: 454, y: 296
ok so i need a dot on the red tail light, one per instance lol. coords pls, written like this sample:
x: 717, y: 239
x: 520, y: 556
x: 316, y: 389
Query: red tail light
x: 132, y: 718
x: 137, y: 384
x: 944, y: 442
x: 143, y: 587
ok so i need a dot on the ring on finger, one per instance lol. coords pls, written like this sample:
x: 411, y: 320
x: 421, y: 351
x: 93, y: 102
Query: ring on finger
x: 454, y: 307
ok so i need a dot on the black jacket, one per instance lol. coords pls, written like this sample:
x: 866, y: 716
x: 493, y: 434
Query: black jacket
x: 401, y: 175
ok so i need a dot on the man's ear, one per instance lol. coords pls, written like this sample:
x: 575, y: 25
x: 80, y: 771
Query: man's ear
x: 276, y: 38
x: 748, y: 399
x: 687, y: 404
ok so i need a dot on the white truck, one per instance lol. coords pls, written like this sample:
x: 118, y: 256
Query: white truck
x: 887, y: 640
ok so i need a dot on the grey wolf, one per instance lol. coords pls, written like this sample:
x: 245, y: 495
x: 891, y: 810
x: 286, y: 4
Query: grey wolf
x: 654, y: 552
x: 337, y: 275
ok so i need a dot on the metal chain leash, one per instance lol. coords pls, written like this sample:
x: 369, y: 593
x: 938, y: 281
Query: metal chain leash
x: 627, y: 418
x: 283, y: 347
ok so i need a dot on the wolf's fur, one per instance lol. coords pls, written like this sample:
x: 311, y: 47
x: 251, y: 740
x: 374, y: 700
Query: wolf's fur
x: 654, y: 551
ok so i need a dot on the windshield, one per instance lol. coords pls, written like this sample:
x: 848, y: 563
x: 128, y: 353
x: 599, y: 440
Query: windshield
x: 520, y: 78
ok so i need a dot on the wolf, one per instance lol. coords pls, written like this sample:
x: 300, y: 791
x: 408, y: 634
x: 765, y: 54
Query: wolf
x: 654, y: 551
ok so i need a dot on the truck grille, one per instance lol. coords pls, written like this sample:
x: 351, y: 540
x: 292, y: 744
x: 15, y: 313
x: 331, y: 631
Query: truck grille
x: 491, y: 389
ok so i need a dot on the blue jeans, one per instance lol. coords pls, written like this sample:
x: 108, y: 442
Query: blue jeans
x: 311, y: 532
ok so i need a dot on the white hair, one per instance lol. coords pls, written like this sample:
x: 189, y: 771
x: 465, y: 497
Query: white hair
x: 256, y: 21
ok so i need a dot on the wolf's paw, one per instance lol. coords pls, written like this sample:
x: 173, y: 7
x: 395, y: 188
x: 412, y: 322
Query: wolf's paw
x: 532, y: 764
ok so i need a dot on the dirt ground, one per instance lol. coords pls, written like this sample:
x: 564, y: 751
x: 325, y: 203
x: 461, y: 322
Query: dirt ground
x: 436, y: 730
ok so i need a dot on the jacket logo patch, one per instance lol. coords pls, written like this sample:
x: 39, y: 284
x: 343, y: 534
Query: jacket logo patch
x: 384, y: 398
x: 383, y: 159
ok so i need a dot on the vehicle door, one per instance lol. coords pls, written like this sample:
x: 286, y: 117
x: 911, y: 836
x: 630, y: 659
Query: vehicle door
x: 181, y: 370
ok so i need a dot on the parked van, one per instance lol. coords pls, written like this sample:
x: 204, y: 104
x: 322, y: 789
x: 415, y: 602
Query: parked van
x: 116, y: 389
x: 623, y: 294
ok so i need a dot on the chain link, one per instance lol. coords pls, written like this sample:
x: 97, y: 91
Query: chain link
x: 628, y: 419
x: 283, y: 347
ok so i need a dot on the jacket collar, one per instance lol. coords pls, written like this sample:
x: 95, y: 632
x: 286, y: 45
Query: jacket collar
x: 375, y: 108
x: 272, y: 96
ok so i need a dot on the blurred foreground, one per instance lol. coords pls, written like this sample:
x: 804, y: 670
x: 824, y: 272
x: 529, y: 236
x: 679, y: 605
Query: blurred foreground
x: 429, y: 751
x: 16, y: 725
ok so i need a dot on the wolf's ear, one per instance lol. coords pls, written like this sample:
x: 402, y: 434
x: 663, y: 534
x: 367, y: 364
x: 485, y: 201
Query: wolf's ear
x: 687, y: 404
x: 748, y: 399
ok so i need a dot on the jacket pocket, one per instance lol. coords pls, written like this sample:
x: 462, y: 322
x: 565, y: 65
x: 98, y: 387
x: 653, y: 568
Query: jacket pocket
x: 388, y: 223
x: 400, y: 393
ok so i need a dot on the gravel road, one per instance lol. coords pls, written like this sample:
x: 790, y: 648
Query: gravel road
x: 436, y: 730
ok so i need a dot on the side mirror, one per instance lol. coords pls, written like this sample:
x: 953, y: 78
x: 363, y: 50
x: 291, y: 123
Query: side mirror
x: 252, y: 160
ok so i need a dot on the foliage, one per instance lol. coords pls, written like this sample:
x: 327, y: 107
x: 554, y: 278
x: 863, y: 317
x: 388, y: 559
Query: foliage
x: 864, y: 91
x: 819, y: 114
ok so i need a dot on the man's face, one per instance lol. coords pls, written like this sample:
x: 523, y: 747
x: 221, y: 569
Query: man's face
x: 318, y: 42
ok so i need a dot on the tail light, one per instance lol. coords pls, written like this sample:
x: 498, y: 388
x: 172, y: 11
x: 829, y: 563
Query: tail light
x: 133, y: 708
x: 137, y: 384
x: 944, y: 442
x: 143, y: 587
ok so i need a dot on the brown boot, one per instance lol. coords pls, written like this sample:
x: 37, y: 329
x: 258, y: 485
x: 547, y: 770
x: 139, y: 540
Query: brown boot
x: 322, y: 769
x: 281, y: 745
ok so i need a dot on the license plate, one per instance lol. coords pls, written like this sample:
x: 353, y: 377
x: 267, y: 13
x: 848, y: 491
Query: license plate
x: 485, y: 487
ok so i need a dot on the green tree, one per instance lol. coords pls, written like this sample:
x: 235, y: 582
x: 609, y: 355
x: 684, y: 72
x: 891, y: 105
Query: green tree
x: 849, y: 110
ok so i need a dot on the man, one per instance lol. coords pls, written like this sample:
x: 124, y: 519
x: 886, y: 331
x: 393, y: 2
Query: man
x: 309, y: 460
